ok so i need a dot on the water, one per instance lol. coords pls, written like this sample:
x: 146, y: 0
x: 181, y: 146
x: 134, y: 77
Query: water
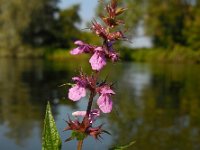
x: 158, y: 106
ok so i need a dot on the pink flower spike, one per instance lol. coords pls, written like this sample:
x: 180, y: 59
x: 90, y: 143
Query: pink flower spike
x: 97, y: 61
x: 76, y: 93
x: 105, y: 103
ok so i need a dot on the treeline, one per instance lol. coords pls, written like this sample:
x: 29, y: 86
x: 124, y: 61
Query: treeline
x: 27, y: 27
x: 168, y: 22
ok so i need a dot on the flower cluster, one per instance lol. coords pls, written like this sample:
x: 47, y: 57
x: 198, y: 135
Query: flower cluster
x: 99, y: 54
x: 84, y: 84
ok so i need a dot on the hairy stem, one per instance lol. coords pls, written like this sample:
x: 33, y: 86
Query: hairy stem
x: 90, y: 103
x: 80, y: 144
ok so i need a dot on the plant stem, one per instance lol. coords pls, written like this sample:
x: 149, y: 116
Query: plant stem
x: 90, y: 103
x: 80, y: 144
x: 92, y: 95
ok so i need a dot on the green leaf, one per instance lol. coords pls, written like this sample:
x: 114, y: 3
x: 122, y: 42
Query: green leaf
x: 123, y: 147
x: 50, y: 136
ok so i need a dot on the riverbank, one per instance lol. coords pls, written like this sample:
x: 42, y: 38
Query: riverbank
x: 177, y: 55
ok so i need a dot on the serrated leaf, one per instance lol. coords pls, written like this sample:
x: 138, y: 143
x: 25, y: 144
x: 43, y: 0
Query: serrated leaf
x: 50, y: 136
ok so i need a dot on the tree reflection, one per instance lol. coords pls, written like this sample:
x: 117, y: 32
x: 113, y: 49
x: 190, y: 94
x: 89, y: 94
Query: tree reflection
x: 25, y: 87
x: 169, y: 118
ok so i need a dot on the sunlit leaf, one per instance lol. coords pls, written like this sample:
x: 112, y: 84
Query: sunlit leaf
x: 120, y: 11
x: 50, y: 136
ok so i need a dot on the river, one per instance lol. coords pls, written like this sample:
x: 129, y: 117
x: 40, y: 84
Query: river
x: 156, y: 105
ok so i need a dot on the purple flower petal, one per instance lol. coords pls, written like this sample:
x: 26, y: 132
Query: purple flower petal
x: 79, y: 43
x: 105, y: 103
x: 77, y: 51
x: 76, y: 93
x: 114, y: 56
x: 80, y: 81
x: 76, y: 79
x: 106, y: 90
x: 97, y: 61
x: 82, y: 48
x: 79, y: 113
x: 100, y: 49
x: 94, y: 114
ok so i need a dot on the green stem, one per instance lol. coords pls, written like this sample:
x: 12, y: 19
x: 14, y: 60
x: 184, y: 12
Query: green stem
x: 80, y: 144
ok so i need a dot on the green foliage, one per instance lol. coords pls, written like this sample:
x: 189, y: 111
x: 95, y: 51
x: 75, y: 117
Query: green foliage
x: 168, y: 22
x: 192, y: 31
x: 50, y: 136
x: 178, y: 54
x: 43, y: 24
x: 26, y: 27
x: 67, y: 31
x: 15, y: 16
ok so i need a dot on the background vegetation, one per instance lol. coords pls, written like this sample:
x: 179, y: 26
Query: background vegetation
x: 41, y: 28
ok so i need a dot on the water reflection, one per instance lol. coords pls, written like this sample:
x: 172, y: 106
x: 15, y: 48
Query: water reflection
x: 158, y: 106
x: 169, y: 118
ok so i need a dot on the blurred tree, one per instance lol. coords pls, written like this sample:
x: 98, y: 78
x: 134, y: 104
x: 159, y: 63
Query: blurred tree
x: 168, y: 22
x: 14, y: 18
x: 35, y: 24
x: 165, y: 21
x: 67, y: 24
x: 42, y: 28
x: 23, y: 22
x: 192, y: 31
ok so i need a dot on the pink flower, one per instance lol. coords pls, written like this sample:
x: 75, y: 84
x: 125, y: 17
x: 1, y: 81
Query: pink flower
x: 82, y: 48
x: 105, y: 89
x: 76, y: 93
x: 98, y: 59
x: 78, y: 90
x: 92, y: 116
x: 79, y: 113
x: 104, y: 101
x: 114, y: 56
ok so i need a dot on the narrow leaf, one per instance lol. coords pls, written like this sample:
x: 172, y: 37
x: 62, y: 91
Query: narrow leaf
x: 120, y: 11
x: 50, y: 136
x: 123, y: 147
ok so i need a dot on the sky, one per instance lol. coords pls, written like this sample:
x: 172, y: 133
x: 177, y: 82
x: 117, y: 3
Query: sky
x: 87, y: 10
